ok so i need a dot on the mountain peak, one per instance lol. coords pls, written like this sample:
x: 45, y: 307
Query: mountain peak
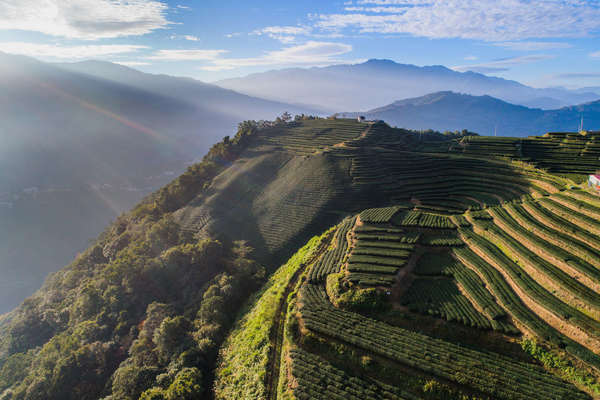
x: 380, y: 61
x: 364, y: 86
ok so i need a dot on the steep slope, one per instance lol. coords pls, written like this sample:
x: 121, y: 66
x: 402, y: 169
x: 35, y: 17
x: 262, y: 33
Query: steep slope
x: 361, y: 317
x: 78, y: 137
x: 483, y: 114
x: 144, y: 311
x: 368, y: 85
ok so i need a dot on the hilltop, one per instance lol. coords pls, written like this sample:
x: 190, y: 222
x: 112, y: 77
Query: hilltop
x: 364, y: 86
x: 443, y: 266
x: 483, y: 114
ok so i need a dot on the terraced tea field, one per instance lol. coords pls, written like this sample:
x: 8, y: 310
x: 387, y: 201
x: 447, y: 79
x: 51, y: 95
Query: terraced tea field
x: 470, y: 273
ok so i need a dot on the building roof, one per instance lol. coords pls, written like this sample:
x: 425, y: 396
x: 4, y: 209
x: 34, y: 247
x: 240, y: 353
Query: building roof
x: 596, y: 176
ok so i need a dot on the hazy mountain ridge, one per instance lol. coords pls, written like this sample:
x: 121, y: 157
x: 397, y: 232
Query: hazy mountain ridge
x: 485, y: 115
x: 94, y: 133
x: 376, y: 82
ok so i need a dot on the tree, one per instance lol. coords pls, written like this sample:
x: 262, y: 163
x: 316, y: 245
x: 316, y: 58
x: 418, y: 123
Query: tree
x: 172, y: 337
x: 186, y: 386
x: 286, y: 117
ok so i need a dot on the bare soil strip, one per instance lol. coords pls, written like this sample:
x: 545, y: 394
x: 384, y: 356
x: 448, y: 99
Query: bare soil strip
x: 532, y: 270
x: 541, y: 252
x: 571, y: 218
x: 549, y: 223
x: 576, y: 246
x: 584, y: 211
x: 567, y: 329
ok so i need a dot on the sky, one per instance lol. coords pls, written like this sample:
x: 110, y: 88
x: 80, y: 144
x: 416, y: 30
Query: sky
x: 541, y: 43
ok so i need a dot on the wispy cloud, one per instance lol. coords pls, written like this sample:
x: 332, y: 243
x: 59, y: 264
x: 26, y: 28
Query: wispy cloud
x: 191, y: 38
x: 186, y: 55
x: 471, y: 58
x: 68, y: 52
x: 503, y: 64
x: 488, y: 20
x: 84, y: 19
x: 379, y: 10
x: 132, y: 63
x: 311, y: 53
x: 285, y: 34
x: 533, y: 46
x: 595, y: 54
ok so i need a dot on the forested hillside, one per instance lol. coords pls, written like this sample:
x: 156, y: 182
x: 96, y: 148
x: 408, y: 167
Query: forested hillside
x: 97, y: 137
x: 441, y: 269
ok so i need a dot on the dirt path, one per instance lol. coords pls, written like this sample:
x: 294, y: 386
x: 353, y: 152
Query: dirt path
x: 554, y: 236
x: 551, y: 224
x: 405, y: 277
x: 274, y: 364
x: 570, y: 217
x: 547, y: 256
x: 583, y: 211
x: 533, y: 270
x: 571, y: 331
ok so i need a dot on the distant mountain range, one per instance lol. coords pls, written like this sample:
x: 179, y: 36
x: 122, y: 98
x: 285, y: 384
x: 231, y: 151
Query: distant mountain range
x: 368, y: 85
x: 483, y: 114
x: 97, y: 137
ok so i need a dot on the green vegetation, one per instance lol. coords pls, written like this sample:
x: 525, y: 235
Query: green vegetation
x: 424, y: 220
x: 378, y: 215
x: 461, y: 228
x: 561, y: 365
x: 441, y: 296
x: 490, y: 373
x: 245, y: 354
x: 332, y: 259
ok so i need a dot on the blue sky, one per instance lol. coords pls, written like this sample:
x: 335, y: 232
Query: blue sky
x: 538, y: 42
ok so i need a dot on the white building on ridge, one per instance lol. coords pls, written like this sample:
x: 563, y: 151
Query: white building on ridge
x: 594, y: 182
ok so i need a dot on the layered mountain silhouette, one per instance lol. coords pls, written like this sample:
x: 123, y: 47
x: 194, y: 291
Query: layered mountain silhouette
x: 483, y: 114
x: 90, y: 140
x: 368, y: 85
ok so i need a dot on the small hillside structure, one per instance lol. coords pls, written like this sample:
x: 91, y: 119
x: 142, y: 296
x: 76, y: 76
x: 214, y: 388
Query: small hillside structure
x: 594, y: 182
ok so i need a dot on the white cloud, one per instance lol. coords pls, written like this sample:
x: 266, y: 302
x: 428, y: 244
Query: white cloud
x: 183, y: 7
x: 595, y: 54
x: 533, y: 46
x: 503, y: 64
x: 285, y: 34
x: 471, y: 58
x: 39, y: 50
x: 191, y: 38
x: 186, y: 55
x: 489, y: 20
x: 311, y: 53
x: 379, y: 10
x: 131, y: 63
x: 84, y: 19
x: 395, y: 2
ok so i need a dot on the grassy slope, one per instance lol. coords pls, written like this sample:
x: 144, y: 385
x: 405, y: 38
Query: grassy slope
x: 245, y: 354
